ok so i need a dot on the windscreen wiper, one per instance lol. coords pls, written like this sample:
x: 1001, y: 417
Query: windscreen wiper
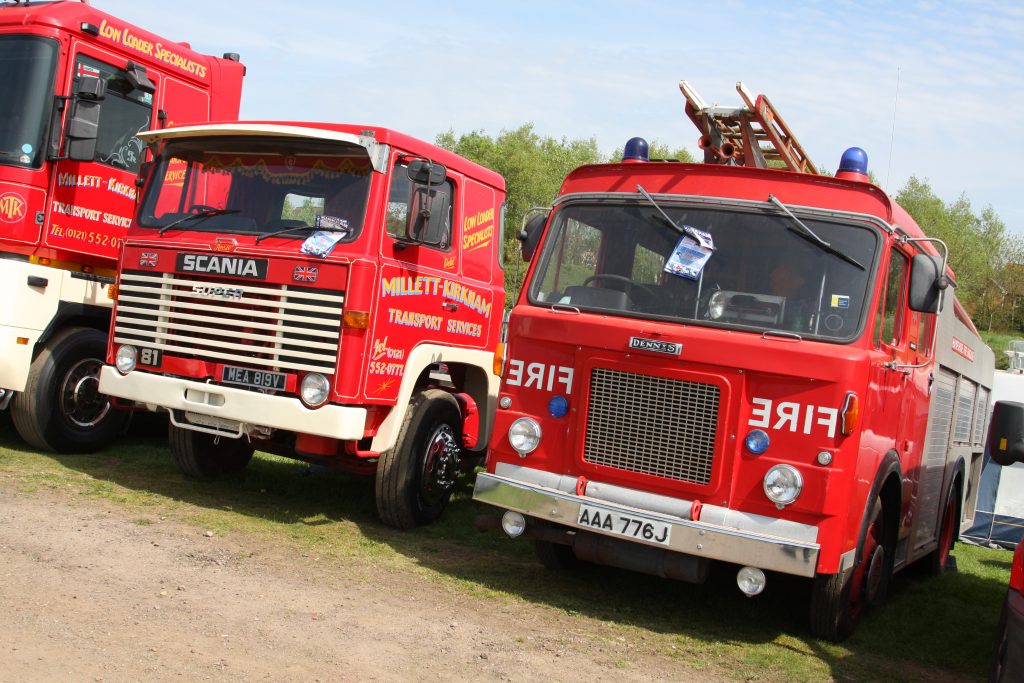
x: 284, y: 231
x: 663, y: 215
x: 205, y: 213
x: 810, y: 236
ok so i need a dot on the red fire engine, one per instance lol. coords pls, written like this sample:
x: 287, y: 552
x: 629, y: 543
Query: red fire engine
x: 76, y: 87
x: 728, y: 361
x: 331, y: 293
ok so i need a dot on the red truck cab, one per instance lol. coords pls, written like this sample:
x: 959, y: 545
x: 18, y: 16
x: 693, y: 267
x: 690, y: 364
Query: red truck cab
x: 327, y: 292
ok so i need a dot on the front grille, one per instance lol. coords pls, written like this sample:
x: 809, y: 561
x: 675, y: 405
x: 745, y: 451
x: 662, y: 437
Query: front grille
x: 652, y: 425
x: 264, y: 325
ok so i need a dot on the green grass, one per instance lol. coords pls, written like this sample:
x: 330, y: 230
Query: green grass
x: 930, y: 629
x: 999, y: 342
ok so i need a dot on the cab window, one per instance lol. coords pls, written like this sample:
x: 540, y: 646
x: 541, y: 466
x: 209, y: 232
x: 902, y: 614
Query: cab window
x: 889, y: 327
x: 403, y: 192
x: 126, y: 112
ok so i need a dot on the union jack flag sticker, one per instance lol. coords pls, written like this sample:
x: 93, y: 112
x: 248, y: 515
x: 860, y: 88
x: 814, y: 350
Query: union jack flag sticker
x: 305, y: 273
x: 148, y: 258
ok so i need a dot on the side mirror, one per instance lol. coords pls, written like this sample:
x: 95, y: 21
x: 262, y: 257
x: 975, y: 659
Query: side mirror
x: 138, y: 79
x: 426, y: 172
x: 927, y: 280
x: 529, y: 236
x: 1006, y: 433
x: 85, y: 120
x: 428, y: 219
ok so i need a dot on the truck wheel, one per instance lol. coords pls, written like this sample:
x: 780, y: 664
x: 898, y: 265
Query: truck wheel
x: 205, y: 456
x: 61, y: 408
x: 415, y: 479
x: 556, y: 556
x: 938, y: 561
x: 838, y: 601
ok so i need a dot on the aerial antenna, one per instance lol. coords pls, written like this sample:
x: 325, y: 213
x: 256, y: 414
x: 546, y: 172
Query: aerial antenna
x: 892, y: 133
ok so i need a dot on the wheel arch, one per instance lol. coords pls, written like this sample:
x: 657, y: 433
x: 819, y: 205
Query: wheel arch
x: 70, y: 315
x: 887, y: 487
x: 470, y: 371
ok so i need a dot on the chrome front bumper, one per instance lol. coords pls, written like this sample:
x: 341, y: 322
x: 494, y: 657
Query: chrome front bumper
x: 744, y: 539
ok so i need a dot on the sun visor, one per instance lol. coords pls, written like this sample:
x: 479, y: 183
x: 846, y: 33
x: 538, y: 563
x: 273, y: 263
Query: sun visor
x: 377, y: 152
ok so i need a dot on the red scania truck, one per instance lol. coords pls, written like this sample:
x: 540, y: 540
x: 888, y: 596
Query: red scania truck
x: 331, y: 293
x: 728, y: 361
x: 76, y: 87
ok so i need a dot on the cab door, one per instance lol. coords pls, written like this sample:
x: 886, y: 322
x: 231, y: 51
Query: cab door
x: 415, y: 302
x: 905, y: 381
x: 93, y: 202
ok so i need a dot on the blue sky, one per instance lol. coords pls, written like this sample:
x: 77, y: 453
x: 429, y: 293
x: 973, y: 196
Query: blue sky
x: 611, y: 71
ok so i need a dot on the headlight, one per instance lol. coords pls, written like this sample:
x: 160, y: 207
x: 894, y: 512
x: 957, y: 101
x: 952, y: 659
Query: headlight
x: 125, y: 357
x: 716, y: 306
x: 782, y: 484
x: 314, y: 389
x: 524, y: 435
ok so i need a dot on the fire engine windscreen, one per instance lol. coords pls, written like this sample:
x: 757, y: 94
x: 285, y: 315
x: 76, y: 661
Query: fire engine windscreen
x: 763, y: 274
x: 26, y: 96
x: 258, y: 185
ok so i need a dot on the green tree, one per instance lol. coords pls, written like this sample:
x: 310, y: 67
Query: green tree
x: 533, y: 166
x: 981, y: 252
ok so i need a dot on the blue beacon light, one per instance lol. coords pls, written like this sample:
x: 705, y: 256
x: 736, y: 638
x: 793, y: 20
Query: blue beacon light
x: 558, y: 406
x: 853, y: 165
x: 636, y: 150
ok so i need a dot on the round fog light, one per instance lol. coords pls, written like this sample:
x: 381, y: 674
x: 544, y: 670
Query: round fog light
x: 314, y: 389
x: 125, y: 357
x: 513, y: 523
x: 524, y: 435
x: 751, y: 581
x: 783, y: 484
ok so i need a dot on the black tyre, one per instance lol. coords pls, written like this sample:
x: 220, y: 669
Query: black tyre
x: 939, y: 561
x: 556, y: 556
x: 61, y: 408
x: 205, y: 456
x: 415, y: 479
x: 838, y: 601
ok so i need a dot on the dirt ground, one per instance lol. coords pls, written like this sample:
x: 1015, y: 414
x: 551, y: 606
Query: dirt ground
x: 87, y: 593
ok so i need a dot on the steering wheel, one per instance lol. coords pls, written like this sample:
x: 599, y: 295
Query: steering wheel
x: 201, y: 208
x: 625, y: 280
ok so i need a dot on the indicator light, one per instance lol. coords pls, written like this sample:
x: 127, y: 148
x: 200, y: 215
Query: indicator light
x: 757, y: 441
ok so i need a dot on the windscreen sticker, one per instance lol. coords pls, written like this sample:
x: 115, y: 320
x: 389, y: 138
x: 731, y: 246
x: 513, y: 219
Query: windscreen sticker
x: 688, y: 258
x: 840, y: 301
x: 321, y: 243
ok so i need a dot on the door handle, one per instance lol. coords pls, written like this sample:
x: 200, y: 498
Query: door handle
x: 450, y: 306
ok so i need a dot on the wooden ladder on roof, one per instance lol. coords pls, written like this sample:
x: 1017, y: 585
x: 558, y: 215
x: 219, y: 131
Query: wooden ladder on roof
x: 751, y: 135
